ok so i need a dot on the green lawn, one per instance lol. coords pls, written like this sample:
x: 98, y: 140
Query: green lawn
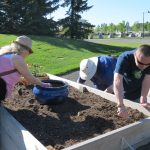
x: 57, y: 56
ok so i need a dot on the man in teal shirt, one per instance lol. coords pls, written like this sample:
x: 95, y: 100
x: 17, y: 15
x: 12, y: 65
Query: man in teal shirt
x: 132, y: 78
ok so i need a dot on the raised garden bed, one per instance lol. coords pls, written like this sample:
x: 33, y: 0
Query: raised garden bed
x: 81, y: 117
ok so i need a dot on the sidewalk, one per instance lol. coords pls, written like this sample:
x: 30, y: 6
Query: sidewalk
x: 73, y: 76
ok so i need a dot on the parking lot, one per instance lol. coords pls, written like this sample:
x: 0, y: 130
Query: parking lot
x: 145, y: 40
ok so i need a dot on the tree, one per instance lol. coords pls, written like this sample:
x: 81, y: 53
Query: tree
x: 122, y: 27
x: 35, y: 19
x: 98, y: 29
x: 26, y: 16
x: 111, y: 28
x: 136, y: 27
x: 73, y: 19
x: 104, y: 28
x: 10, y: 16
x: 147, y: 26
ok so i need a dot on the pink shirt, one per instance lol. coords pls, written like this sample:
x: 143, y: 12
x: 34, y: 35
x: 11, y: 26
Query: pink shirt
x: 10, y: 79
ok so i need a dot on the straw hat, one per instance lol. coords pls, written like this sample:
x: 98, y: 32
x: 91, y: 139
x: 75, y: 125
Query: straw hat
x: 25, y: 42
x: 88, y: 68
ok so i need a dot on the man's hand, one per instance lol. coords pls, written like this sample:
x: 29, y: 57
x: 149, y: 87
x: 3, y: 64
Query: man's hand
x: 144, y: 103
x: 122, y: 112
x: 110, y: 89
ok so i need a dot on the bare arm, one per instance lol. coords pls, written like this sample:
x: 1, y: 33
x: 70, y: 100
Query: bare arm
x: 144, y: 92
x: 118, y: 88
x: 24, y: 71
x: 145, y: 87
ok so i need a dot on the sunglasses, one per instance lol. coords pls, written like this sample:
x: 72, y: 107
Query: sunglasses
x: 141, y: 62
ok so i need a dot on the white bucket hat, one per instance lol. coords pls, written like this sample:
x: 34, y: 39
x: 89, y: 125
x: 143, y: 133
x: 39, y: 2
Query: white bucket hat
x: 25, y: 42
x: 88, y: 68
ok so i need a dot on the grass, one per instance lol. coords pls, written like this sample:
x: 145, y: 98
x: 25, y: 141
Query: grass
x: 58, y: 56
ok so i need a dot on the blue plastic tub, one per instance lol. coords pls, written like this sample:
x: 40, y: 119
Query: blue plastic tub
x: 54, y: 95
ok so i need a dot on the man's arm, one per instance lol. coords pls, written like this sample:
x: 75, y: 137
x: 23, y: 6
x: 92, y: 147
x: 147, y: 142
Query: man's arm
x: 118, y: 91
x: 118, y: 88
x: 145, y: 90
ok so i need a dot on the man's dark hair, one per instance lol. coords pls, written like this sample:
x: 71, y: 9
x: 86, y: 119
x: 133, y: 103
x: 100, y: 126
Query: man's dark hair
x: 145, y: 49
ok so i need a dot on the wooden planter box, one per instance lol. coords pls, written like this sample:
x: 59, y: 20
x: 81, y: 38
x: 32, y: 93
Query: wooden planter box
x: 16, y: 137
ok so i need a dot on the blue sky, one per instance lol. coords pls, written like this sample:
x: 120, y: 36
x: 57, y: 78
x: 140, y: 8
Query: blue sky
x: 113, y: 11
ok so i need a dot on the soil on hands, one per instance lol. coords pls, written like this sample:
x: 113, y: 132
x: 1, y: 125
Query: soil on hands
x: 81, y: 117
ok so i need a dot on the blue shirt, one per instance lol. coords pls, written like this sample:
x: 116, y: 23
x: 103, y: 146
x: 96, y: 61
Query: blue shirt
x: 103, y: 77
x: 132, y: 75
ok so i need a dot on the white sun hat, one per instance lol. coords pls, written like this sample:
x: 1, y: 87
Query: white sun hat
x: 24, y: 41
x: 88, y: 68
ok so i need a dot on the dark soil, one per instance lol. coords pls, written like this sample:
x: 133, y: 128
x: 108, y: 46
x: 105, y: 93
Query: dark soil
x: 81, y: 117
x: 55, y: 83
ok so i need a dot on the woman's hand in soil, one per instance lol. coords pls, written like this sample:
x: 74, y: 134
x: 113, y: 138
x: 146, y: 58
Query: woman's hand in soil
x: 46, y: 85
x: 122, y: 112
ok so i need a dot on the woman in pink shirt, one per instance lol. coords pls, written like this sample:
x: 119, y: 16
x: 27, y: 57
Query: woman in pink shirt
x: 12, y: 66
